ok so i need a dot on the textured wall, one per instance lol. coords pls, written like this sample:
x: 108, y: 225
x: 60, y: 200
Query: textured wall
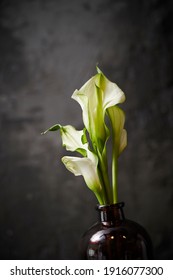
x: 47, y: 50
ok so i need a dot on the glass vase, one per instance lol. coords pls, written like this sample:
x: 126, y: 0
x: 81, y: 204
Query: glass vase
x: 115, y: 238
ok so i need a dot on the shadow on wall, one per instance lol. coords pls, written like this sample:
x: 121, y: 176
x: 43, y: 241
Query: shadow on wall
x: 47, y: 50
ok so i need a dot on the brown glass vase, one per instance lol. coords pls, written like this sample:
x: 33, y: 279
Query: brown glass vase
x: 115, y: 238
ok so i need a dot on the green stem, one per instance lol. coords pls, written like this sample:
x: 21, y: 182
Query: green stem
x: 103, y: 174
x: 105, y: 177
x: 114, y: 175
x: 100, y: 198
x: 104, y: 195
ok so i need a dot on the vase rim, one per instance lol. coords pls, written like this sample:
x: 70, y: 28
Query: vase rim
x: 114, y: 205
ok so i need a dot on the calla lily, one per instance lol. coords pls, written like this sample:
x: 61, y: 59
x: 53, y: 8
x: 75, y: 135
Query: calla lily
x: 75, y: 140
x: 88, y: 169
x: 94, y: 97
x: 89, y: 98
x: 98, y: 98
x: 72, y: 139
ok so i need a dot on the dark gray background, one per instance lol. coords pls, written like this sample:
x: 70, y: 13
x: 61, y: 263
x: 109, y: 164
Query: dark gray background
x: 47, y: 50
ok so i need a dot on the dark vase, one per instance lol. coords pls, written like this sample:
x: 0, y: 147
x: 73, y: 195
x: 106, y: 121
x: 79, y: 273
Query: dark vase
x: 115, y: 238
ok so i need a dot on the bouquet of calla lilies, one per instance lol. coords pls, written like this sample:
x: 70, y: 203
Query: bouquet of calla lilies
x: 99, y: 99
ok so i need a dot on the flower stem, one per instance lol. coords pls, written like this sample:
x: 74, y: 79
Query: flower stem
x: 105, y: 177
x: 100, y: 198
x: 105, y: 198
x: 114, y: 175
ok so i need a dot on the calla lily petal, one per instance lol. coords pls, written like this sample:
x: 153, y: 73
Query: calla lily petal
x: 55, y: 127
x: 112, y: 93
x: 88, y: 169
x: 72, y: 138
x: 86, y: 96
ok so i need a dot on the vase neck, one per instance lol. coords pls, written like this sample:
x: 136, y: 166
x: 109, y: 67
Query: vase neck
x: 111, y: 214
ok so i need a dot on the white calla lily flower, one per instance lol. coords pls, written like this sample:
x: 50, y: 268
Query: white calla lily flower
x: 88, y: 169
x: 94, y: 97
x: 72, y: 139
